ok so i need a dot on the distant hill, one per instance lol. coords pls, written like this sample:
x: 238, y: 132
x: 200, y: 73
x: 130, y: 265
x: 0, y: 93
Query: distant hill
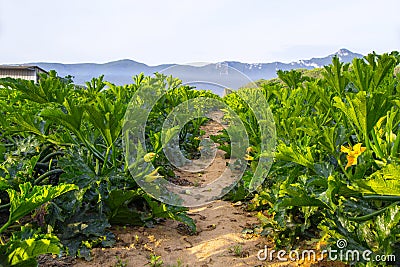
x: 213, y: 76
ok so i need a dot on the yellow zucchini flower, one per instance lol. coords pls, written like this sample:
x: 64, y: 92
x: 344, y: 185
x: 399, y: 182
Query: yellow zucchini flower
x: 352, y: 154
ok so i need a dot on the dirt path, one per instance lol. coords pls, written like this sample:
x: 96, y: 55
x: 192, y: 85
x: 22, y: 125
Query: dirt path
x: 215, y: 169
x: 219, y: 241
x: 227, y: 236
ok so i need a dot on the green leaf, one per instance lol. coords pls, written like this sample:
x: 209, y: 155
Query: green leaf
x: 25, y: 250
x: 83, y: 230
x: 107, y: 116
x: 120, y: 211
x: 292, y: 153
x: 298, y: 198
x: 292, y: 78
x: 334, y: 75
x: 384, y: 68
x: 24, y: 246
x: 328, y: 138
x: 71, y: 120
x: 101, y: 121
x: 364, y: 110
x: 50, y: 88
x: 29, y: 198
x: 76, y: 171
x: 361, y: 74
x: 355, y: 110
x: 27, y: 122
x: 161, y: 210
x: 4, y: 184
x: 387, y: 225
x: 383, y: 182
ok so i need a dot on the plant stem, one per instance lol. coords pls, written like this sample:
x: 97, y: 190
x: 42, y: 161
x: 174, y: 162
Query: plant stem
x: 47, y: 174
x: 105, y: 160
x: 378, y: 147
x: 371, y: 215
x: 5, y: 226
x: 382, y: 197
x: 49, y: 156
x: 341, y: 166
x: 5, y: 206
x: 43, y: 165
x: 395, y: 146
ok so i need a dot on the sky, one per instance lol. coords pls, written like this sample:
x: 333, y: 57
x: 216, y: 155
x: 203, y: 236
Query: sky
x: 183, y: 31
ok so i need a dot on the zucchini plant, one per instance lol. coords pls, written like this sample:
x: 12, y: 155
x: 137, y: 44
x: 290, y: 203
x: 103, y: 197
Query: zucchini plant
x: 335, y: 173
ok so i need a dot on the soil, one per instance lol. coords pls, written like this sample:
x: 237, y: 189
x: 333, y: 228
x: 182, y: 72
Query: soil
x: 215, y: 169
x: 227, y: 235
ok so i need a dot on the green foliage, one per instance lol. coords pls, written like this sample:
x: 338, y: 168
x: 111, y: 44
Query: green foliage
x: 292, y: 78
x: 310, y: 191
x: 29, y: 198
x: 57, y: 137
x: 121, y: 263
x: 24, y: 246
x: 155, y: 261
x: 237, y: 250
x: 334, y: 175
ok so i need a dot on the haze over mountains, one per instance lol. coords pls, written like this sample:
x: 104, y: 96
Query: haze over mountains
x: 231, y: 74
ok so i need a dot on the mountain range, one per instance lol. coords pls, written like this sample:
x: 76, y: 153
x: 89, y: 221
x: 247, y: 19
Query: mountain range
x: 214, y: 76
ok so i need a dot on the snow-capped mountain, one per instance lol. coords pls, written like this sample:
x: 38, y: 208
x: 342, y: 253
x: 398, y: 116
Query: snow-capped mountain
x: 230, y: 74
